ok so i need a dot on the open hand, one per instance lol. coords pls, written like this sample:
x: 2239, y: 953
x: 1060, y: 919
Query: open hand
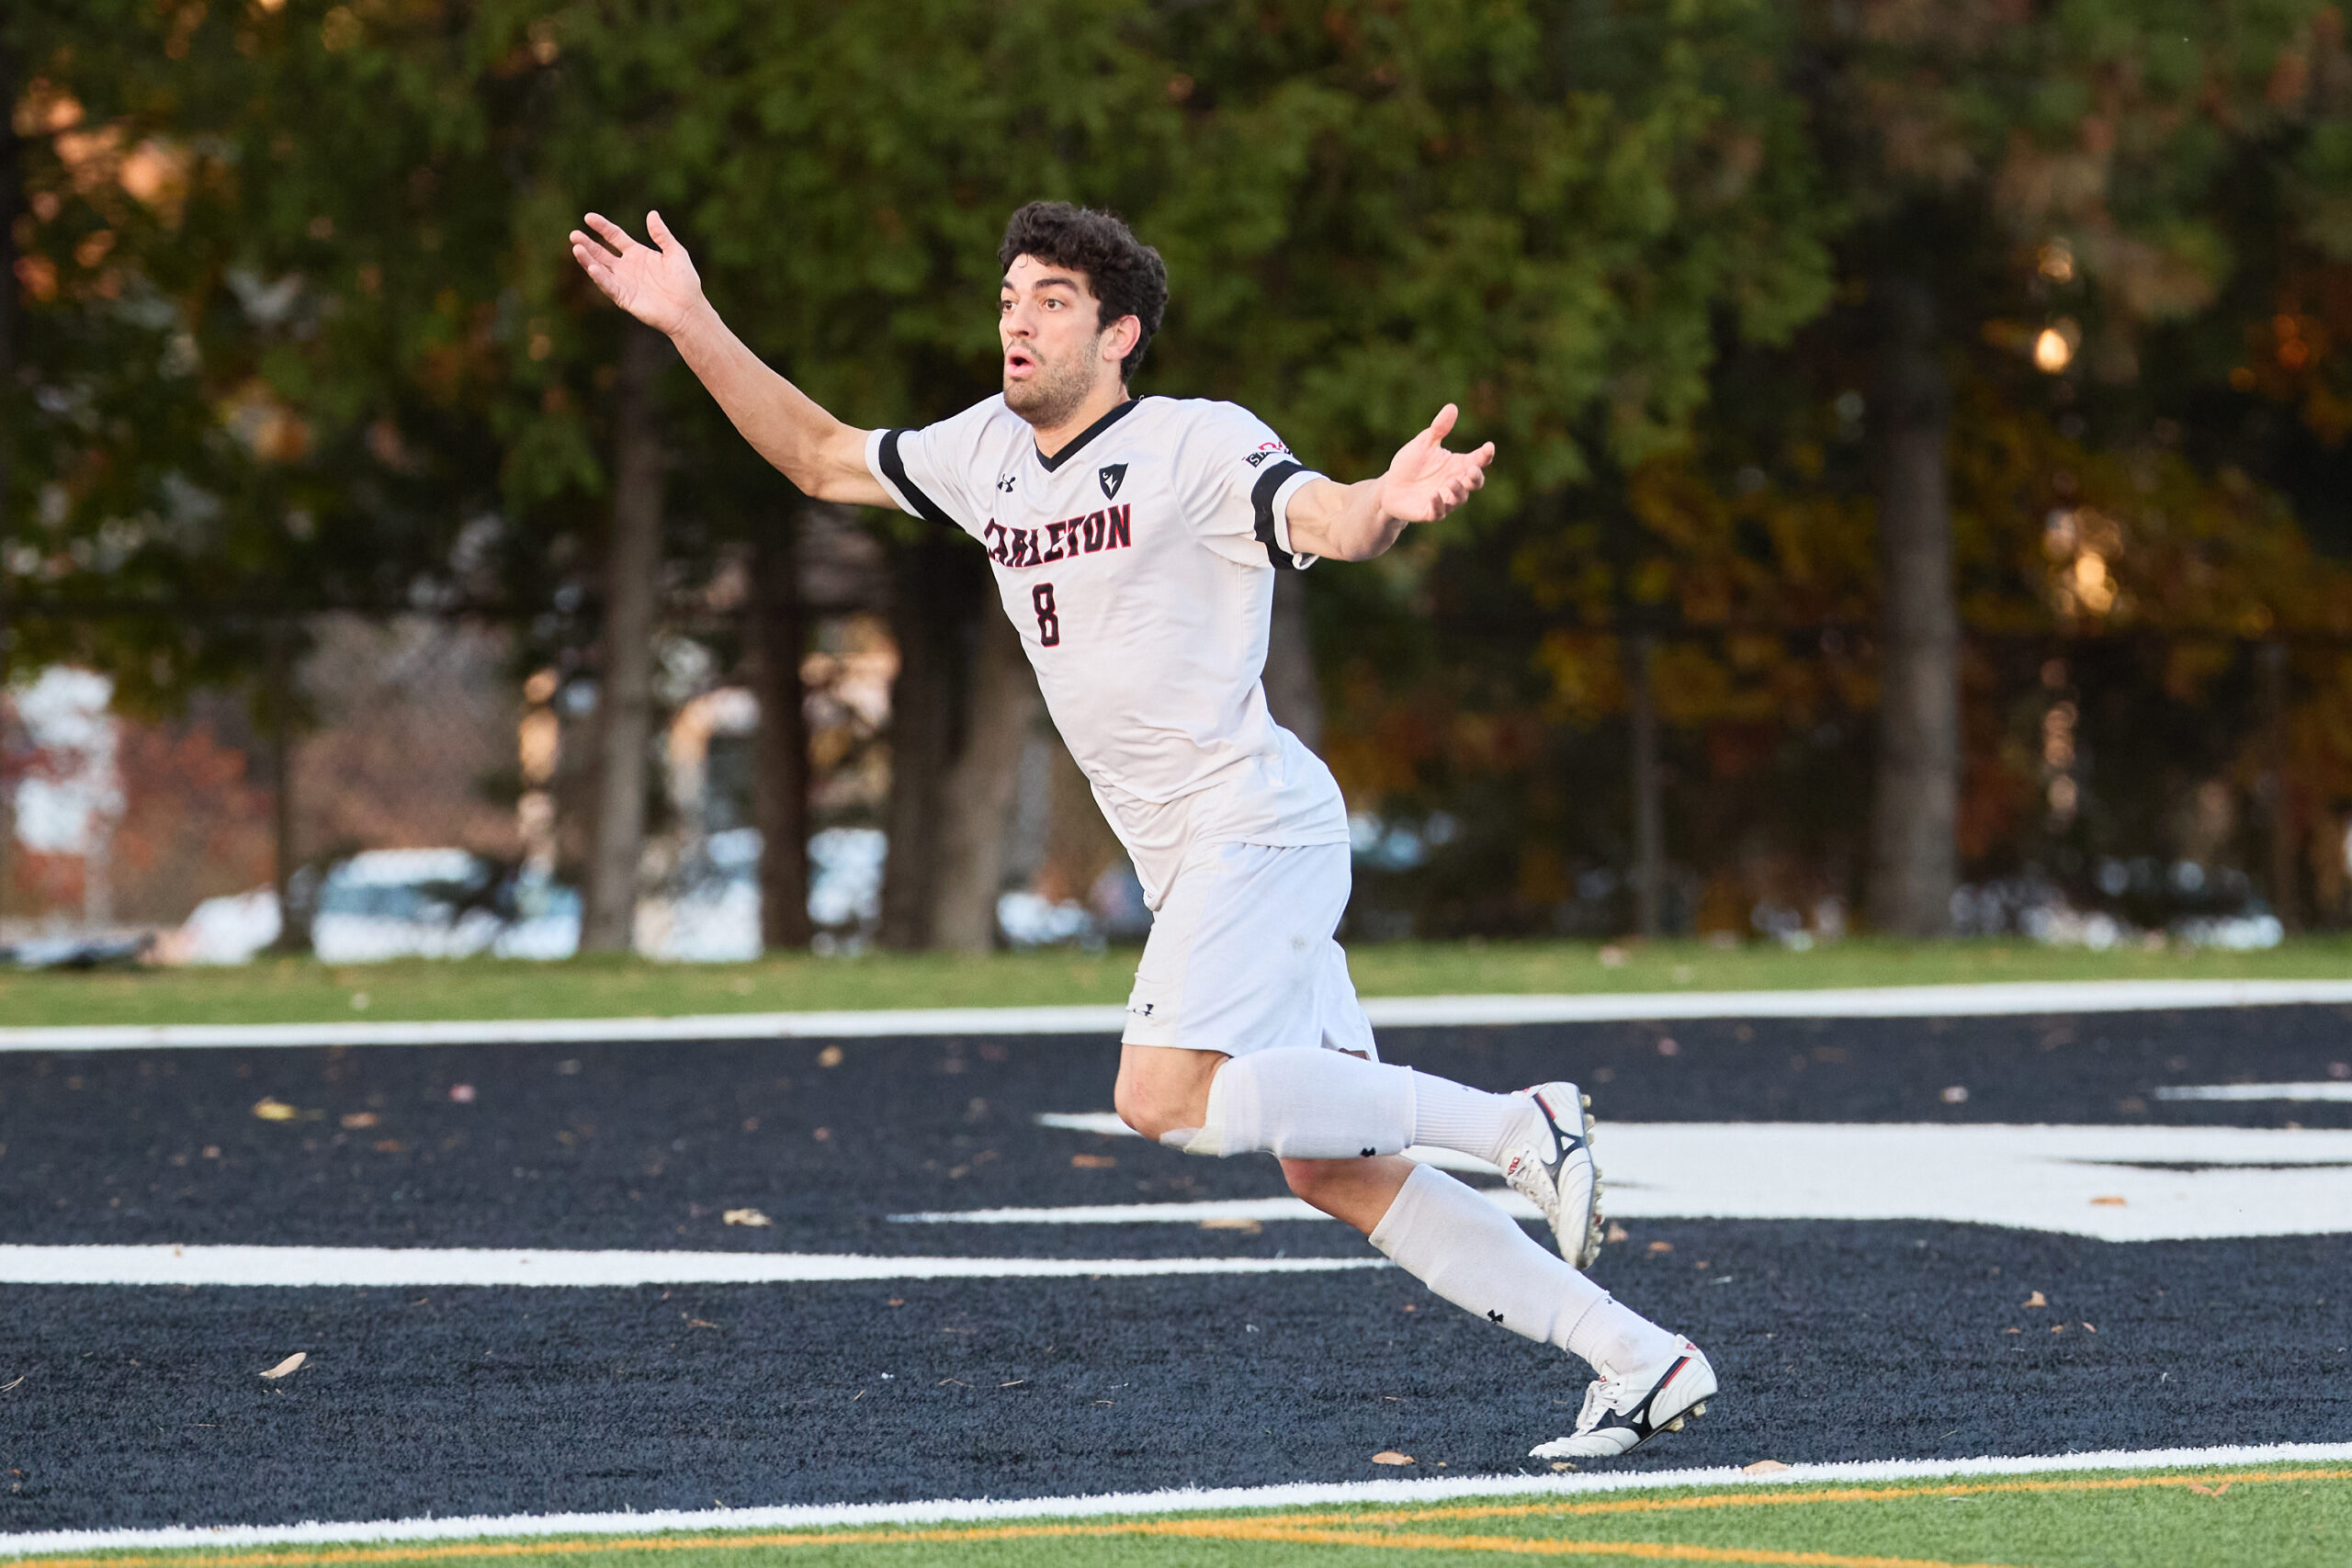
x: 657, y: 282
x: 1425, y: 481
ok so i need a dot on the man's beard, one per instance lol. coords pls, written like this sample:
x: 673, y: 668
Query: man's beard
x: 1050, y: 397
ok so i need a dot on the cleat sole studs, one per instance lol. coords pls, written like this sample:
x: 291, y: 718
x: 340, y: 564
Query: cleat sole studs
x: 1586, y: 1101
x: 1699, y: 1409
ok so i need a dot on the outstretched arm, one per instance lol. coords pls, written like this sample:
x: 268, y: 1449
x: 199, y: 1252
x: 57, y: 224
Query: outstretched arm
x: 1423, y: 483
x: 659, y: 286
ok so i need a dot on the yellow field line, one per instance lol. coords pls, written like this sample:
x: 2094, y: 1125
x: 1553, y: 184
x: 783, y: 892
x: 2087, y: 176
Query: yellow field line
x: 1653, y: 1551
x: 1197, y: 1529
x: 1317, y: 1529
x: 1761, y: 1499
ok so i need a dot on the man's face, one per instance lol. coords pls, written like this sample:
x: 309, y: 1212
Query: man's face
x: 1056, y: 350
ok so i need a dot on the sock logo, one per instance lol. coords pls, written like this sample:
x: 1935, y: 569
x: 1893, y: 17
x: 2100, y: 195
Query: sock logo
x: 1494, y: 1317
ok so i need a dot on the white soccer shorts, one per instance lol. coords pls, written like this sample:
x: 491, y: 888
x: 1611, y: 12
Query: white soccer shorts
x: 1240, y: 956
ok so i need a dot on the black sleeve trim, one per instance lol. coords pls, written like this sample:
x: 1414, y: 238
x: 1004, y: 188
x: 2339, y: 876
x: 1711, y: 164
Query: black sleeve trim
x: 1261, y: 497
x: 894, y: 469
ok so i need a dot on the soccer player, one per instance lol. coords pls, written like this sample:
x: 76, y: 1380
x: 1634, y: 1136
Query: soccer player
x: 1134, y: 542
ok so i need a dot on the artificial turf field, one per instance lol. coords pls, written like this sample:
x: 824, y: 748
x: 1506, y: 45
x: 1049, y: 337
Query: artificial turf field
x: 1127, y: 1329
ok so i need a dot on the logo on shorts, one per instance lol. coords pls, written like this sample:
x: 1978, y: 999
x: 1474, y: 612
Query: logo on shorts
x: 1143, y: 1011
x: 1113, y: 476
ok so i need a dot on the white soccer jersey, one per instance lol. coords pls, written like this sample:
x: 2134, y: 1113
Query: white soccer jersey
x: 1138, y: 565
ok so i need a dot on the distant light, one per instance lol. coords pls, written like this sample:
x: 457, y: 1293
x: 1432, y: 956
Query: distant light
x: 2051, y: 352
x: 2056, y: 261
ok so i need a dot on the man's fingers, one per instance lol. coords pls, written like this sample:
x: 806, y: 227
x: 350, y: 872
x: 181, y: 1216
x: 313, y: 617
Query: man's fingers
x: 659, y: 230
x: 611, y: 232
x: 1444, y: 423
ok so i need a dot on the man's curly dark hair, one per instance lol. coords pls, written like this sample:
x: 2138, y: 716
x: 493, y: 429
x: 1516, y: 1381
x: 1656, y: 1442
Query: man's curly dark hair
x: 1126, y: 275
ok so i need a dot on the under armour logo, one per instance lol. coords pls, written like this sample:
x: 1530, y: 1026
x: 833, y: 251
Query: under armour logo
x: 1494, y: 1317
x: 1004, y: 484
x: 1367, y: 1154
x: 1113, y: 476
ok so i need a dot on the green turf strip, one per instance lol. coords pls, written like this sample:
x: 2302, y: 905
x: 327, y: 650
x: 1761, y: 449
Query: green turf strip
x: 299, y: 991
x: 2291, y: 1516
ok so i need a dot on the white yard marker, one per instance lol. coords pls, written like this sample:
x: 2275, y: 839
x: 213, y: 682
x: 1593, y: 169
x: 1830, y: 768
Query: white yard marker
x: 1181, y: 1500
x: 410, y: 1266
x: 1385, y: 1012
x: 2114, y: 1183
x: 1107, y: 1122
x: 2303, y: 1092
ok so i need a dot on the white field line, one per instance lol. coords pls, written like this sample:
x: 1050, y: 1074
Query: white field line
x: 2111, y: 1183
x: 415, y: 1266
x: 2302, y: 1092
x: 1185, y: 1500
x: 1392, y: 1012
x: 1107, y: 1122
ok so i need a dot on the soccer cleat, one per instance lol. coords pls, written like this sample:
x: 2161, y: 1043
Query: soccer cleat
x: 1620, y: 1414
x: 1555, y: 1170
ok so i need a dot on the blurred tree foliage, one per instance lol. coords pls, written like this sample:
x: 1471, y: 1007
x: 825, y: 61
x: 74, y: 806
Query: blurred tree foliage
x: 2123, y: 219
x: 297, y: 328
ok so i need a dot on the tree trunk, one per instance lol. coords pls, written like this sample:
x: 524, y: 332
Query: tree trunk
x: 12, y: 183
x: 1649, y: 814
x: 2279, y: 798
x: 780, y: 766
x: 930, y: 613
x: 625, y: 706
x: 1291, y: 693
x: 976, y: 815
x: 1916, y: 808
x: 293, y: 904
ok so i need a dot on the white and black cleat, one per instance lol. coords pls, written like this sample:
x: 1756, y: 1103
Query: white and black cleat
x: 1554, y: 1169
x: 1620, y: 1414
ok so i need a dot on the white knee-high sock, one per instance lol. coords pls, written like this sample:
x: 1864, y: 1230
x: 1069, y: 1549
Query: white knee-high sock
x: 1304, y: 1102
x: 1468, y: 1251
x: 1449, y: 1115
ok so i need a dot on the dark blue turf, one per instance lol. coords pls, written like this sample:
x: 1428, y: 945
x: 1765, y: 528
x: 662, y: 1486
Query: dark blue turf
x: 1836, y: 1340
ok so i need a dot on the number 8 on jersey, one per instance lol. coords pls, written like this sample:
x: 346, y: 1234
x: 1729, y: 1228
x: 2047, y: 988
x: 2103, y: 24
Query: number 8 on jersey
x: 1049, y: 622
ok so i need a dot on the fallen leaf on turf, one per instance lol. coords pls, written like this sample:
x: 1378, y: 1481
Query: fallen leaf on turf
x: 391, y: 1146
x: 461, y: 1094
x: 830, y: 1056
x: 355, y: 1119
x: 1763, y: 1467
x: 1093, y: 1162
x: 4, y: 1387
x: 752, y: 1217
x: 1618, y: 1232
x: 2013, y: 1331
x: 1390, y: 1456
x: 2090, y: 1328
x: 1246, y: 1227
x: 2036, y: 1299
x: 270, y: 1109
x: 1561, y: 1464
x: 1661, y: 1247
x: 2213, y: 1491
x: 288, y: 1365
x: 2108, y: 1203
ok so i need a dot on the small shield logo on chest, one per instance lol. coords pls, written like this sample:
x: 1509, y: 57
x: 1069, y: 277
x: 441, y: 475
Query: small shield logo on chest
x: 1113, y: 476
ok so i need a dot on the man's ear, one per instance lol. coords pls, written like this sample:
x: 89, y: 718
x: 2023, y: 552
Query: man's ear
x: 1122, y: 337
